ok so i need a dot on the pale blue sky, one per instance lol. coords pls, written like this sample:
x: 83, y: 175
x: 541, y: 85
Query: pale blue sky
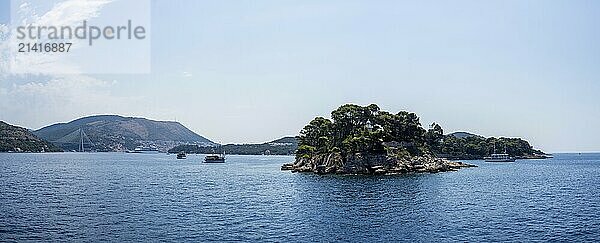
x: 252, y: 71
x: 4, y: 12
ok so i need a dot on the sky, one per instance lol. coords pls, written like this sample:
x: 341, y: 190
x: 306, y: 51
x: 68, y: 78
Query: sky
x: 254, y: 71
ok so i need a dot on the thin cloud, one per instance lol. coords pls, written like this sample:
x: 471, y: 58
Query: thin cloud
x: 186, y: 74
x: 71, y: 12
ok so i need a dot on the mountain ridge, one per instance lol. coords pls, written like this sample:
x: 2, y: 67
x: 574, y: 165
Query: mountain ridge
x: 120, y: 133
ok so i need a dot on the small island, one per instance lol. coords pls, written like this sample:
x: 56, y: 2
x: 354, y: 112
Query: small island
x: 367, y: 140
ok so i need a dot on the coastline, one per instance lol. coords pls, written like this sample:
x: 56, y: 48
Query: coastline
x: 372, y: 164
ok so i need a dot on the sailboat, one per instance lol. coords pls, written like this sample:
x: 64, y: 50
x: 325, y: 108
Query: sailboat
x: 215, y: 158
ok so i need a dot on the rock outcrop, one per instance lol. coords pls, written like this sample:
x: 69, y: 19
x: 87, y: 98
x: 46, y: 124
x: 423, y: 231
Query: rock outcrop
x: 359, y: 163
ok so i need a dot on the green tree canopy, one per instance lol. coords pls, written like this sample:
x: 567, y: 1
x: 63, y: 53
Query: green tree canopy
x: 355, y: 128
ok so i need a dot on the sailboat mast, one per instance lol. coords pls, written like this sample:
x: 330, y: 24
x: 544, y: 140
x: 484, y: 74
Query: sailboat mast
x: 81, y: 140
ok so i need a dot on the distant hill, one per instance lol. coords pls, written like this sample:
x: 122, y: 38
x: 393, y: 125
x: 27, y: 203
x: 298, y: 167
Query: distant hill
x: 282, y: 146
x: 464, y: 145
x: 18, y: 139
x: 463, y: 135
x: 117, y: 133
x: 285, y: 140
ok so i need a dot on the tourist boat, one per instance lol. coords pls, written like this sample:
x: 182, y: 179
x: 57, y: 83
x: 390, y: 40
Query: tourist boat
x: 499, y: 158
x: 504, y: 157
x: 181, y: 155
x: 215, y: 158
x: 144, y: 150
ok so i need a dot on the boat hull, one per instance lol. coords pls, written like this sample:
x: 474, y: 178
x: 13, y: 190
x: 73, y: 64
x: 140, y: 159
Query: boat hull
x: 143, y: 152
x: 214, y: 161
x: 499, y: 160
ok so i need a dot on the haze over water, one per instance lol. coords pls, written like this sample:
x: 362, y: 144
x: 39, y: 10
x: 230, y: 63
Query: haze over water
x: 129, y: 197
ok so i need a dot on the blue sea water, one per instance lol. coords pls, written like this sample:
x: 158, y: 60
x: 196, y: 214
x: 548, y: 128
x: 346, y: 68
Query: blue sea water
x: 139, y: 197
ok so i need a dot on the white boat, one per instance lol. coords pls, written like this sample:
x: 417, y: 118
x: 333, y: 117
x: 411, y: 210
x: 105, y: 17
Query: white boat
x: 499, y: 158
x: 215, y: 158
x: 144, y: 150
x: 504, y: 157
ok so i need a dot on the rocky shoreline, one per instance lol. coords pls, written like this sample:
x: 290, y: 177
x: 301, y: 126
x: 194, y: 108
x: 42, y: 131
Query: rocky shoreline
x: 372, y: 164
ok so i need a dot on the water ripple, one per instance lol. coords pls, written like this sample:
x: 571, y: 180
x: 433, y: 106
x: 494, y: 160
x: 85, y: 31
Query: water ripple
x: 126, y: 197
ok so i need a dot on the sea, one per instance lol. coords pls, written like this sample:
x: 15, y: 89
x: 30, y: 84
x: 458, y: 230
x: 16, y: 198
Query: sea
x: 118, y: 197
